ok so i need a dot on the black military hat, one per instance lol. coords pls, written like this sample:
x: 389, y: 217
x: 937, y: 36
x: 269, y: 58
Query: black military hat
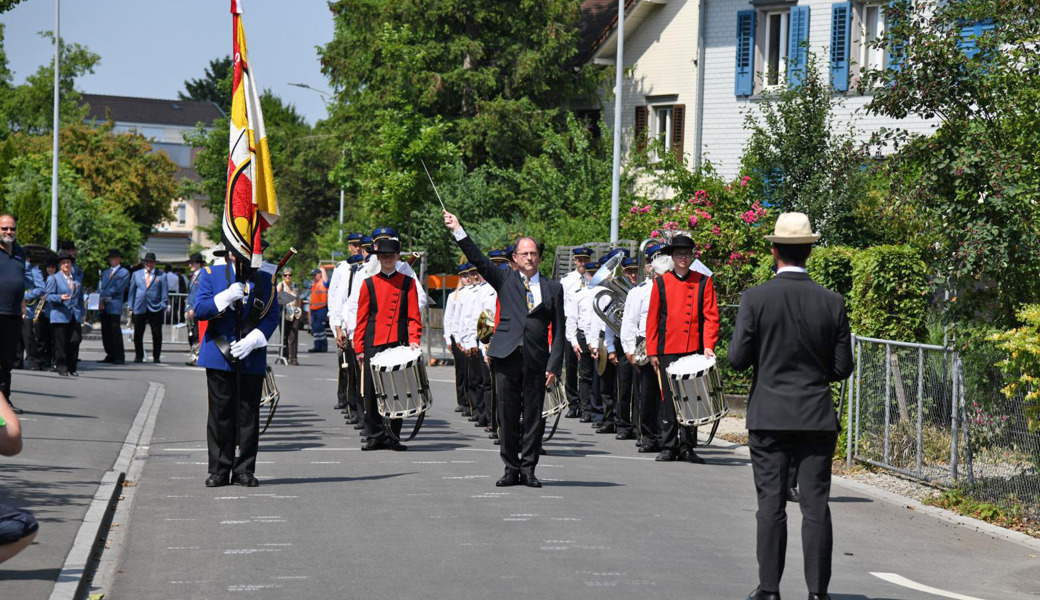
x: 149, y: 257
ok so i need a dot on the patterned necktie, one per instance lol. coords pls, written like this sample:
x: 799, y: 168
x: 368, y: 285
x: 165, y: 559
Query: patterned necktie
x: 581, y: 280
x: 147, y: 278
x: 530, y: 296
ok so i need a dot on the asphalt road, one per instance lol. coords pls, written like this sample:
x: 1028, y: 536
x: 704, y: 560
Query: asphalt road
x: 331, y: 521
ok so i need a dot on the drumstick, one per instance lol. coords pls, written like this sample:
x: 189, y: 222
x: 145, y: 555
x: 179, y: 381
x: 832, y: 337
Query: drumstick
x: 433, y: 184
x: 660, y: 384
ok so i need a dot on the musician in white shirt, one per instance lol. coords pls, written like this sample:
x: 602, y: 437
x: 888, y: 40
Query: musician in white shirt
x: 575, y: 332
x: 572, y: 283
x: 448, y: 323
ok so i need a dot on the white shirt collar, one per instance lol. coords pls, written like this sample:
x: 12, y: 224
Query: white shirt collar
x: 791, y: 270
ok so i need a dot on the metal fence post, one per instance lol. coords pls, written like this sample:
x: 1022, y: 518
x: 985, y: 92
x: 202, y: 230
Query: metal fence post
x: 859, y: 391
x: 954, y: 415
x: 920, y: 408
x: 888, y: 408
x: 966, y: 427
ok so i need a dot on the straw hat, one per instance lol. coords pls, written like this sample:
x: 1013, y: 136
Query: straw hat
x: 793, y: 228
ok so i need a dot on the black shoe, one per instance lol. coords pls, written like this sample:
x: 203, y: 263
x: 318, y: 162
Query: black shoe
x: 530, y: 480
x: 625, y: 435
x: 793, y: 495
x: 481, y: 423
x: 492, y: 436
x: 359, y: 426
x: 509, y: 479
x: 607, y: 428
x: 374, y: 445
x: 120, y: 361
x: 312, y: 350
x: 648, y: 449
x: 691, y: 457
x: 352, y: 420
x: 572, y: 414
x: 245, y: 480
x: 62, y: 373
x: 585, y: 419
x: 294, y: 363
x: 760, y: 595
x: 459, y: 408
x: 138, y: 360
x: 667, y: 456
x: 156, y: 360
x: 542, y: 451
x: 497, y: 442
x: 813, y: 596
x: 74, y: 373
x: 340, y: 405
x: 14, y: 408
x: 466, y: 412
x: 396, y: 446
x: 107, y: 359
x: 216, y: 480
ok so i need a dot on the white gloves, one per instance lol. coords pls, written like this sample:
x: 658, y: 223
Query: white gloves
x: 236, y: 291
x: 254, y: 340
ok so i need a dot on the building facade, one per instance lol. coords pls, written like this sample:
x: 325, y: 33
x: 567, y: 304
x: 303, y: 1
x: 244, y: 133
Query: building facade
x: 165, y: 123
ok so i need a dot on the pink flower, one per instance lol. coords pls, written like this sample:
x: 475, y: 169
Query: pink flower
x: 693, y: 220
x: 716, y: 230
x: 645, y: 209
x: 707, y: 246
x: 633, y: 210
x: 744, y: 180
x: 655, y: 234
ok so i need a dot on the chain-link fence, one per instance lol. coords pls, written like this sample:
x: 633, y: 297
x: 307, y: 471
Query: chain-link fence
x: 911, y: 412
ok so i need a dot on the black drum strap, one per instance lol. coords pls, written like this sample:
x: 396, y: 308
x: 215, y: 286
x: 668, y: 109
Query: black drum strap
x: 662, y: 319
x: 700, y: 310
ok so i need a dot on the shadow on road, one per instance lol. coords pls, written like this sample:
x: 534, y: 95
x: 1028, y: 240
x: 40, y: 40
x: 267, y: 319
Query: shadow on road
x: 42, y: 574
x: 850, y: 499
x: 306, y: 480
x: 588, y: 484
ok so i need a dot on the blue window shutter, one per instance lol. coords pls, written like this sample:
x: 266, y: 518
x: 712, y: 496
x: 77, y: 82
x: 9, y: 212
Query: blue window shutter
x: 894, y: 53
x: 797, y: 52
x: 970, y: 35
x: 745, y: 79
x: 841, y: 20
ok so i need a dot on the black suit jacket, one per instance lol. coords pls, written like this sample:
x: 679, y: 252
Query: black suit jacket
x: 516, y: 327
x: 795, y: 334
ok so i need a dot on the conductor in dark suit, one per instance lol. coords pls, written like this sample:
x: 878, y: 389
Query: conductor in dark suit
x: 795, y: 335
x: 531, y: 314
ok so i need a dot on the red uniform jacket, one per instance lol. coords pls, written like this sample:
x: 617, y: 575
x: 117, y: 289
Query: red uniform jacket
x: 674, y: 320
x: 388, y: 312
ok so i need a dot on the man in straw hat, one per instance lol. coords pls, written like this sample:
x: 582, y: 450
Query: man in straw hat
x: 795, y: 334
x: 148, y: 295
x: 683, y: 319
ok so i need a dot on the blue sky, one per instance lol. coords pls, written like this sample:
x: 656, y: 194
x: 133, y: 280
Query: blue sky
x: 149, y: 48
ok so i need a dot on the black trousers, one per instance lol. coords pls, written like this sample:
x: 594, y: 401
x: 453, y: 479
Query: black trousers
x: 19, y: 350
x: 772, y: 454
x: 586, y: 370
x: 112, y: 337
x: 234, y: 419
x: 608, y: 392
x: 290, y: 338
x: 649, y: 405
x: 155, y: 321
x: 10, y: 333
x: 521, y: 389
x: 625, y: 387
x: 354, y: 400
x: 32, y: 348
x: 673, y: 436
x: 67, y: 337
x: 479, y: 388
x: 570, y: 382
x: 461, y: 370
x: 374, y: 426
x: 495, y: 420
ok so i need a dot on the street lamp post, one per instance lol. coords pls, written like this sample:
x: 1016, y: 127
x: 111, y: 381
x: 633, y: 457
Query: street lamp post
x: 342, y: 152
x: 619, y: 67
x: 57, y: 96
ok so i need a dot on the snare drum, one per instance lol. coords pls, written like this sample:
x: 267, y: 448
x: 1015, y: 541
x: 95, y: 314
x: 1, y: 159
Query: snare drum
x: 555, y: 400
x: 696, y: 387
x: 399, y: 383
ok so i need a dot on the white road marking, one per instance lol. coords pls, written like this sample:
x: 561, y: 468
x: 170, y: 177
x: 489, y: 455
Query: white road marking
x: 180, y: 449
x: 913, y: 585
x: 442, y: 380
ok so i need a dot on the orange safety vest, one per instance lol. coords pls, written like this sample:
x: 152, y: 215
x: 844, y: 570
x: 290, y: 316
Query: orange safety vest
x: 319, y: 295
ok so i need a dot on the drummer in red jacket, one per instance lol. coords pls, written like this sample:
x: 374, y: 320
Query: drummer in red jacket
x: 683, y: 319
x: 387, y: 317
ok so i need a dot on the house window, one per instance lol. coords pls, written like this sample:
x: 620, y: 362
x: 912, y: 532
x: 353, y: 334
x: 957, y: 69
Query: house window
x: 182, y: 214
x: 775, y: 46
x: 872, y: 24
x: 662, y: 122
x: 662, y: 125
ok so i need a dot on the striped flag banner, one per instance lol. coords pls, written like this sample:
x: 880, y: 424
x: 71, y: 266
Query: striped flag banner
x: 250, y: 205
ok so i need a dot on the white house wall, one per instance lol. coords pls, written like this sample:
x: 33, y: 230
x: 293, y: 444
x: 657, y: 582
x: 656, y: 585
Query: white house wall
x: 724, y: 133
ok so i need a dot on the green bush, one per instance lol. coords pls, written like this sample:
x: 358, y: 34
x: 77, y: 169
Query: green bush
x: 831, y: 267
x: 1021, y: 367
x: 889, y: 293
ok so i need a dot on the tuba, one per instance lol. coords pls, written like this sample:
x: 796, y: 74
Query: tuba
x: 485, y: 326
x: 617, y: 288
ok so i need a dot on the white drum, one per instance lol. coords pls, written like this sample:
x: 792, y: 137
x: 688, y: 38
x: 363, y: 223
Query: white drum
x: 696, y: 387
x: 555, y: 400
x: 400, y: 384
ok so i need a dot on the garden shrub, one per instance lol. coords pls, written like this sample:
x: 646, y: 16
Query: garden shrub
x: 889, y: 293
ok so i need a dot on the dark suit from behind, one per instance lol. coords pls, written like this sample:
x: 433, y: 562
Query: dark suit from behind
x: 522, y: 355
x: 795, y: 334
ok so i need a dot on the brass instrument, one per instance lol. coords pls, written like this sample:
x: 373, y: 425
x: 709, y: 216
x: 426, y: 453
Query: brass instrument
x: 39, y: 303
x: 617, y: 288
x: 485, y: 326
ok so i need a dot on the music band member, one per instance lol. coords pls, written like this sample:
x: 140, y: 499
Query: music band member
x: 148, y: 295
x: 525, y: 362
x: 387, y: 316
x: 114, y: 282
x: 573, y: 283
x: 478, y: 297
x: 339, y: 290
x: 450, y: 306
x: 795, y: 334
x: 683, y: 319
x: 234, y: 382
x: 633, y: 334
x: 626, y: 378
x: 66, y: 310
x: 579, y: 344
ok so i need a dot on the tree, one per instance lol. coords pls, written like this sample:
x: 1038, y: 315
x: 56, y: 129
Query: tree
x: 6, y: 5
x: 972, y: 67
x: 214, y: 86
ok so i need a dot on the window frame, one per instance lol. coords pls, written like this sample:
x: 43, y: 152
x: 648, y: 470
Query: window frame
x: 763, y: 46
x: 859, y: 44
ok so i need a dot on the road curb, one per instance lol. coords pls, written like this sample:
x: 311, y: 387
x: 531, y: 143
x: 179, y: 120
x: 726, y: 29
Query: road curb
x: 75, y: 572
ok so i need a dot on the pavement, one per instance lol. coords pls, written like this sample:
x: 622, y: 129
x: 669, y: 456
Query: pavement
x: 331, y: 521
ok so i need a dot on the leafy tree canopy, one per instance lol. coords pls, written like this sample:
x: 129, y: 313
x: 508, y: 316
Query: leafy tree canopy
x: 214, y: 86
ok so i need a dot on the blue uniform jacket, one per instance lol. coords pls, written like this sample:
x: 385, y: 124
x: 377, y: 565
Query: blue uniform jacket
x: 211, y: 282
x: 64, y: 311
x: 37, y: 290
x: 148, y: 299
x: 112, y: 289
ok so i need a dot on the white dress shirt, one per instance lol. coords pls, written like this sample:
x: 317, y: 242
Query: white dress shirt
x: 633, y: 322
x: 476, y: 300
x: 571, y: 286
x: 338, y: 293
x: 448, y: 320
x: 791, y: 270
